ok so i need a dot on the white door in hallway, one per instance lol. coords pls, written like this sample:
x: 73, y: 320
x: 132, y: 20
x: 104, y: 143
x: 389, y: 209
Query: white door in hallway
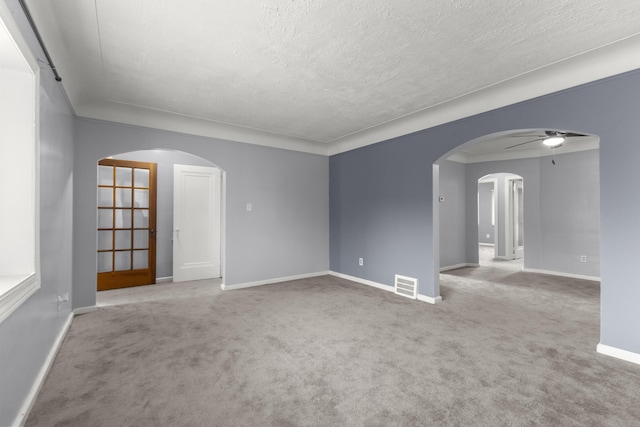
x: 515, y: 218
x: 196, y: 222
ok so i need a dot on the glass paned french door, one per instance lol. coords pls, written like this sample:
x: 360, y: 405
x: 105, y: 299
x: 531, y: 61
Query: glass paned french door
x: 126, y: 223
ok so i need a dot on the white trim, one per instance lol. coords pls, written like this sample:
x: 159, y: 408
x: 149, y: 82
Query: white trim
x: 618, y: 353
x: 430, y: 300
x: 615, y: 58
x: 85, y: 310
x: 271, y: 281
x: 609, y: 60
x: 21, y: 289
x: 223, y: 224
x: 42, y: 375
x: 456, y: 266
x: 558, y: 273
x: 140, y: 116
x: 486, y: 244
x: 377, y: 285
x: 387, y: 288
x: 164, y: 279
x: 21, y: 283
x: 6, y: 16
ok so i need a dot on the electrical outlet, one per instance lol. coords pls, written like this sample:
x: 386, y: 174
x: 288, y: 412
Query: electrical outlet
x: 249, y: 207
x: 360, y: 262
x: 583, y: 258
x: 488, y: 236
x: 62, y: 299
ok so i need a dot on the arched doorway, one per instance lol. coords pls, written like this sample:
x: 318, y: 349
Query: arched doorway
x: 165, y: 233
x: 563, y: 184
x: 501, y: 218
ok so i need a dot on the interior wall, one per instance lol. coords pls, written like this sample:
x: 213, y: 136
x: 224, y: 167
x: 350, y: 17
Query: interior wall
x: 452, y: 214
x: 570, y: 203
x: 486, y: 229
x: 165, y: 159
x: 29, y: 333
x: 500, y: 228
x: 561, y: 211
x: 381, y: 195
x: 286, y: 234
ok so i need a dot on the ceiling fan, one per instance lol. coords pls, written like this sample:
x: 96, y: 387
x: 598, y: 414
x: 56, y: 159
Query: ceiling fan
x: 550, y: 138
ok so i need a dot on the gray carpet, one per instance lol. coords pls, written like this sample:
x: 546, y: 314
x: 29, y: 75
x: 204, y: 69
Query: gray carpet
x: 504, y: 348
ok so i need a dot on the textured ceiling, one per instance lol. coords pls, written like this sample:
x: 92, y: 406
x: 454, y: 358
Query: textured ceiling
x: 311, y: 71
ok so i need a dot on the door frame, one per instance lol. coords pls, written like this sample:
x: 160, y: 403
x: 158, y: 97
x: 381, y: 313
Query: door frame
x: 221, y: 223
x: 141, y: 277
x: 510, y: 248
x: 496, y: 230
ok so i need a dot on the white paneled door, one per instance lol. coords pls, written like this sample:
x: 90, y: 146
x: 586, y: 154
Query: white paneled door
x: 196, y: 222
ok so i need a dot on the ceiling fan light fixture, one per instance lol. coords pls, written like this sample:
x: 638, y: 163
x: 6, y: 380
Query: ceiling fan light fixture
x: 553, y: 141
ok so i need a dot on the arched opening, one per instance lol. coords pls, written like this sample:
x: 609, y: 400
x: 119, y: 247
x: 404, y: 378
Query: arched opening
x: 170, y: 242
x: 560, y: 205
x: 501, y: 228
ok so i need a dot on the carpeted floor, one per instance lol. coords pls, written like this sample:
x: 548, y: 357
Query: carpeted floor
x: 504, y: 348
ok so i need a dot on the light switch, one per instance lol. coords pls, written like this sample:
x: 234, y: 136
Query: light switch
x: 249, y: 207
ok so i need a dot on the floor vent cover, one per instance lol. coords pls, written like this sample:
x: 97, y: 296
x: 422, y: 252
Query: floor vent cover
x: 406, y: 286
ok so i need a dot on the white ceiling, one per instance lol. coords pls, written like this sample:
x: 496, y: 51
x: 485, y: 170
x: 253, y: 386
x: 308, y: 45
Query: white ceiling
x: 325, y: 75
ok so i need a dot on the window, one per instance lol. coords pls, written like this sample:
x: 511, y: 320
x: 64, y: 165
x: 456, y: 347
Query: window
x: 19, y: 219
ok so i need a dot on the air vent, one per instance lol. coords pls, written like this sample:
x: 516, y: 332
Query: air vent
x: 406, y: 286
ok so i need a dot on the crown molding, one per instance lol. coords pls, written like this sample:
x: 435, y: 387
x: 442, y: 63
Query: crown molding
x: 615, y: 58
x: 165, y: 120
x: 609, y: 60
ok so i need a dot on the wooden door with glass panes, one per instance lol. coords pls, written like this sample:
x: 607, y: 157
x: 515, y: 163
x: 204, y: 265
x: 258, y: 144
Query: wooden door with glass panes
x: 126, y: 224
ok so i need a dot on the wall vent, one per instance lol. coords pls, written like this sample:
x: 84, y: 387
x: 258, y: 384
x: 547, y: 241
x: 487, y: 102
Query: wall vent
x: 406, y: 286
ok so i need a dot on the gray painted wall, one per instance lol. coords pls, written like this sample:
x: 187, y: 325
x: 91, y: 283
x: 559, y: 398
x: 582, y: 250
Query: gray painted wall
x: 165, y: 159
x: 452, y: 213
x: 28, y: 334
x: 500, y: 228
x: 382, y: 195
x: 570, y: 201
x: 485, y: 208
x: 286, y: 234
x: 561, y: 211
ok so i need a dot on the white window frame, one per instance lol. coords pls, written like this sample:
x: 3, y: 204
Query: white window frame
x: 20, y: 215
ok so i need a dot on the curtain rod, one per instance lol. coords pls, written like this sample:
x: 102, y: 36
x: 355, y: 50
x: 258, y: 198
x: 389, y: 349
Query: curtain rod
x: 25, y: 9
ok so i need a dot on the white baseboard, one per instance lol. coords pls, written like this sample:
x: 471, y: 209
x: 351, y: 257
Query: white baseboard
x: 487, y: 244
x: 557, y: 273
x: 164, y: 279
x: 430, y: 300
x: 84, y: 310
x: 377, y: 285
x: 456, y: 266
x: 387, y: 288
x: 270, y: 281
x: 618, y: 353
x: 42, y: 375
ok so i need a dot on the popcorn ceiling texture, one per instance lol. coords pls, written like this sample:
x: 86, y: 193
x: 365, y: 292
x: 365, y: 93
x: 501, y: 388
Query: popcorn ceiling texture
x: 316, y: 70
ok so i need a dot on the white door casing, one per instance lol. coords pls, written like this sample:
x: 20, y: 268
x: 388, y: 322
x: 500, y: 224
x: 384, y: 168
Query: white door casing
x: 196, y: 223
x: 514, y: 218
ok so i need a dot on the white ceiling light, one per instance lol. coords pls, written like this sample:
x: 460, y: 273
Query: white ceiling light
x: 553, y: 141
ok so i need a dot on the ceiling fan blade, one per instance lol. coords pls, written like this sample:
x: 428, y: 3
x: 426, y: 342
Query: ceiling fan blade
x: 523, y: 143
x: 528, y: 136
x: 572, y: 134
